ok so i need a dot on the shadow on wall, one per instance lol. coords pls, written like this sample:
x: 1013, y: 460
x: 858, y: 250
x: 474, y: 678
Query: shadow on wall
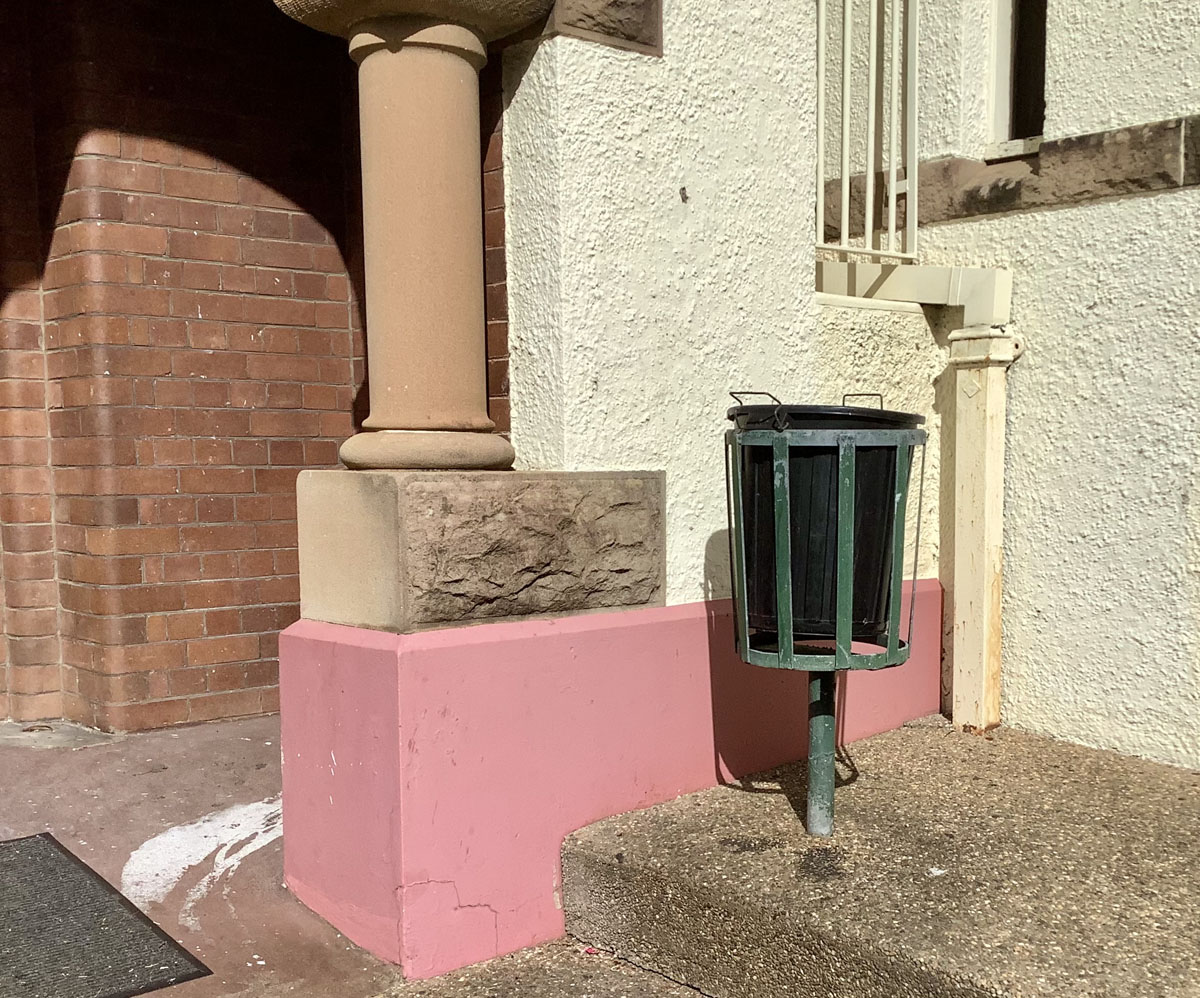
x: 759, y: 714
x: 233, y: 80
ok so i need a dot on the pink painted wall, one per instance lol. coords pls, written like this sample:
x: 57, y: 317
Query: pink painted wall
x: 430, y: 779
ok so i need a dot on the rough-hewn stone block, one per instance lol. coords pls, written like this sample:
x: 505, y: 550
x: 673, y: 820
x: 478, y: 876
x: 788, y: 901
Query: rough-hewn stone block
x: 633, y: 24
x: 404, y: 551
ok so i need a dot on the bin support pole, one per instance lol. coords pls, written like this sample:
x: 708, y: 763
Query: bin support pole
x: 822, y: 727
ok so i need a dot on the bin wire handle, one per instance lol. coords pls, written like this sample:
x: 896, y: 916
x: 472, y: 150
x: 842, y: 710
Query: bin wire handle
x: 863, y: 395
x: 779, y: 420
x: 737, y: 396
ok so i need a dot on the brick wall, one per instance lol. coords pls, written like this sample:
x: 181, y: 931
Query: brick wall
x: 199, y: 342
x: 179, y: 248
x: 494, y: 270
x: 30, y: 680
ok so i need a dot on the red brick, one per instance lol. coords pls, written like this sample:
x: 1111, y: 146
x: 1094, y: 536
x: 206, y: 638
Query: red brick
x: 233, y: 648
x: 229, y: 677
x: 185, y: 625
x: 493, y: 228
x: 187, y: 682
x: 177, y: 324
x: 272, y: 225
x: 201, y: 276
x: 200, y: 185
x: 115, y: 175
x: 217, y: 705
x: 223, y: 480
x: 493, y: 190
x: 218, y: 622
x: 204, y: 246
x: 143, y: 716
x: 103, y: 511
x: 259, y: 563
x: 159, y: 151
x: 131, y: 540
x: 37, y: 707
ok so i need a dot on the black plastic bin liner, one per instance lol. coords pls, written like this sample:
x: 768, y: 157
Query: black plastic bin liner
x: 813, y: 480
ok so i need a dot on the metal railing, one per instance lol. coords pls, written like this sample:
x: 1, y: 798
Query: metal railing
x: 887, y: 116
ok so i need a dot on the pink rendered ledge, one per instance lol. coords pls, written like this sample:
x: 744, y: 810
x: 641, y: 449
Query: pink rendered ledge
x: 429, y: 779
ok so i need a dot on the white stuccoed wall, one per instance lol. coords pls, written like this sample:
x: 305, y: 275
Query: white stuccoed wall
x: 1109, y: 64
x: 633, y: 312
x: 1102, y: 489
x: 1102, y: 505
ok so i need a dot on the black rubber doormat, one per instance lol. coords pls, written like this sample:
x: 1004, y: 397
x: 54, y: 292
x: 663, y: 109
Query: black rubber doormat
x: 66, y: 933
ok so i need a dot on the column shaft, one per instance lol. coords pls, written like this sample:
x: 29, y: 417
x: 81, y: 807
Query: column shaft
x: 423, y: 255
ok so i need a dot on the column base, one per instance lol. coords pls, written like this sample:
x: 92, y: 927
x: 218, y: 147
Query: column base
x: 428, y: 449
x: 412, y: 550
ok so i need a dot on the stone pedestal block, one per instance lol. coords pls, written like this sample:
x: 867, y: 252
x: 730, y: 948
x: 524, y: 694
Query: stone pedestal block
x: 406, y: 551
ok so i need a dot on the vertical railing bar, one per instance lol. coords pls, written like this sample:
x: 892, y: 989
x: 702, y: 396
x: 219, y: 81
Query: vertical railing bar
x: 912, y: 596
x: 820, y: 121
x: 783, y: 552
x: 845, y: 553
x: 733, y: 471
x: 847, y: 42
x: 894, y: 126
x: 903, y: 468
x: 872, y: 136
x: 911, y: 166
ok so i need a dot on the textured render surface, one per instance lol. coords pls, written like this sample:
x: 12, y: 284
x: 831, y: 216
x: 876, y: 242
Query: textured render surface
x: 1117, y: 63
x: 1109, y: 64
x: 430, y: 779
x: 1102, y: 490
x: 954, y: 56
x: 680, y: 248
x: 405, y: 551
x: 659, y: 235
x: 961, y: 866
x: 897, y: 354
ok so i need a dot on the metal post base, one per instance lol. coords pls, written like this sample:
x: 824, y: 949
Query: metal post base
x: 822, y: 730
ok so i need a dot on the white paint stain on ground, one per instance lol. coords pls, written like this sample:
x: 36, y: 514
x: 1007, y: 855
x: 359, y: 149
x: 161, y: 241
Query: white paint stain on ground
x: 229, y: 836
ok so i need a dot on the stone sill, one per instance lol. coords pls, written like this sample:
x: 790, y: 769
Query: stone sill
x: 1160, y: 156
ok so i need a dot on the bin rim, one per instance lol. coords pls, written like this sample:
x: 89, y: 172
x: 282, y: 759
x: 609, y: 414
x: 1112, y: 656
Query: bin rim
x: 785, y: 416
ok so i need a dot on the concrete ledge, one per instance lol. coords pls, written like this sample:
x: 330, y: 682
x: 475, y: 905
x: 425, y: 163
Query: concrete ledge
x: 961, y: 866
x: 405, y: 551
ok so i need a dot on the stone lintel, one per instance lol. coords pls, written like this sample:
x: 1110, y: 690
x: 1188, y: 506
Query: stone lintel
x: 406, y: 551
x: 1159, y: 156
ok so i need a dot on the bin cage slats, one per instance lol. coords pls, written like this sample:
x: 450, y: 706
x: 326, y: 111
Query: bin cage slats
x: 889, y: 452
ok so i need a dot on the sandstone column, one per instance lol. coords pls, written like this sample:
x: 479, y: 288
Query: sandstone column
x: 419, y: 62
x: 422, y: 242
